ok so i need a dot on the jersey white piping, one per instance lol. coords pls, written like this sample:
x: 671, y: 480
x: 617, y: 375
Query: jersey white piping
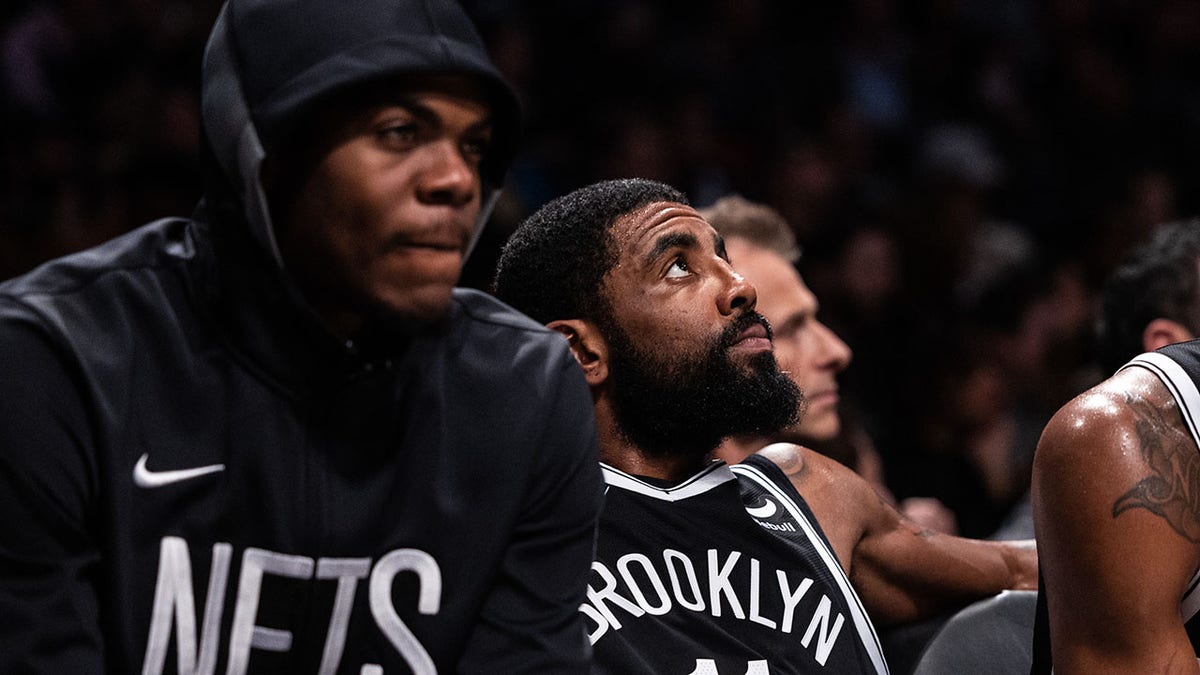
x: 1185, y: 393
x: 1179, y: 382
x: 862, y: 622
x: 1190, y: 604
x: 711, y: 476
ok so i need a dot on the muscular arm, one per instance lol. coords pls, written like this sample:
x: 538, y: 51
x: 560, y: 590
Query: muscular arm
x: 901, y: 571
x: 1116, y: 499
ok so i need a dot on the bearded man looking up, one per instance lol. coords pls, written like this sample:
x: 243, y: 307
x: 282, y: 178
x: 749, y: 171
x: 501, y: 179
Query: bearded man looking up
x: 702, y: 567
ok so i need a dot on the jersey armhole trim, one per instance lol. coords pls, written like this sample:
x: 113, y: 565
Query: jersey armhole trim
x: 858, y: 613
x: 1180, y: 384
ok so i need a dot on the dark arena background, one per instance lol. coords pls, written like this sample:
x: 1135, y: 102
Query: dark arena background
x: 960, y: 174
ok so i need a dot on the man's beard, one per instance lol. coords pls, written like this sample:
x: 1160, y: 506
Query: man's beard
x: 685, y: 406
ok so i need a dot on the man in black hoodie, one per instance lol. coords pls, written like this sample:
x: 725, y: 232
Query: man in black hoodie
x: 274, y: 437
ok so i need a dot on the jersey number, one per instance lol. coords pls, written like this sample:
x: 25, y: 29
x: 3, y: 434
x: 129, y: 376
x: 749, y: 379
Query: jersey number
x: 709, y: 667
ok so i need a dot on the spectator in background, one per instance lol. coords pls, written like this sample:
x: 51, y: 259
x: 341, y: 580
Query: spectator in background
x: 1153, y: 298
x: 762, y: 248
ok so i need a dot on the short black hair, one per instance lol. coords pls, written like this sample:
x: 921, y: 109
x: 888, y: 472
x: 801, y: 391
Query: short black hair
x: 554, y: 263
x: 1160, y: 279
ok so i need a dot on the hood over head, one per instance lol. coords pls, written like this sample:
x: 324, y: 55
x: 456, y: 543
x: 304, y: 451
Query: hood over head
x: 268, y: 62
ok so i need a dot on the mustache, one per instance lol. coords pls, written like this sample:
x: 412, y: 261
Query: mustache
x: 749, y: 318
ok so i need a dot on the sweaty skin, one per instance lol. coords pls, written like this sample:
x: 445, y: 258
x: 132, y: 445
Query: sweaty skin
x: 1115, y: 486
x: 902, y: 571
x: 1170, y: 491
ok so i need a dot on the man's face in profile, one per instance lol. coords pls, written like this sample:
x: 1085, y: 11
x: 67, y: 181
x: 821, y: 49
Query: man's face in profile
x: 809, y: 352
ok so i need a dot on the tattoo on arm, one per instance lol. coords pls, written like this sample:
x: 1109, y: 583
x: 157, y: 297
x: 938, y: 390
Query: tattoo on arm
x: 1172, y: 490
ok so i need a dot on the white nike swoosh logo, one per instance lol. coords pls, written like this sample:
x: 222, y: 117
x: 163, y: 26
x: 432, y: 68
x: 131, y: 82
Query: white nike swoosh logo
x: 143, y: 477
x: 765, y: 511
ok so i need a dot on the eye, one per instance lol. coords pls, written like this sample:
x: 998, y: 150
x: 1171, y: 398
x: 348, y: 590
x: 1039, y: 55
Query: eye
x: 399, y: 135
x: 477, y: 148
x: 792, y: 328
x: 678, y: 269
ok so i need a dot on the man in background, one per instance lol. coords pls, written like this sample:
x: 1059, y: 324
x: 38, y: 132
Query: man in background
x: 1153, y: 298
x: 762, y: 247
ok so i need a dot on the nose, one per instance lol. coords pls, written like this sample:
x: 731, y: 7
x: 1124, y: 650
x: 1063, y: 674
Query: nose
x: 447, y: 177
x: 739, y: 294
x: 836, y: 353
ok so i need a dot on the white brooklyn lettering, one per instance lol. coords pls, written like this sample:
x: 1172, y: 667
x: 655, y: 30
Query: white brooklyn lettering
x: 826, y: 637
x: 608, y: 593
x: 601, y: 623
x: 639, y: 596
x: 755, y: 598
x: 674, y: 559
x: 772, y: 605
x: 718, y: 583
x: 791, y: 598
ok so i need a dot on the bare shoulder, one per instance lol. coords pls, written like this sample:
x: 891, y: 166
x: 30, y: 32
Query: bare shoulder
x: 810, y: 471
x: 1123, y: 445
x: 845, y: 504
x: 789, y: 457
x: 1108, y: 426
x: 1118, y: 464
x: 1170, y: 488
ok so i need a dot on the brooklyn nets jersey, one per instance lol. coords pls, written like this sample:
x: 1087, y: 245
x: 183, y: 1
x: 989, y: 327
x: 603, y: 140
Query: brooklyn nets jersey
x: 1178, y: 366
x: 726, y: 573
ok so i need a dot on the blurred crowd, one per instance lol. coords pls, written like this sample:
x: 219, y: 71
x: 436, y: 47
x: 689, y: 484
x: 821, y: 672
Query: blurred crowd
x: 961, y: 174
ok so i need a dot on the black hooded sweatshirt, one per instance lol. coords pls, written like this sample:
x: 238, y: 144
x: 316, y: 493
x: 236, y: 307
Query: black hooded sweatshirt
x: 197, y: 476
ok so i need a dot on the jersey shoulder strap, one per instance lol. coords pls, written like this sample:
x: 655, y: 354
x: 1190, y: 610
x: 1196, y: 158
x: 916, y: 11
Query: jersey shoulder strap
x: 774, y: 503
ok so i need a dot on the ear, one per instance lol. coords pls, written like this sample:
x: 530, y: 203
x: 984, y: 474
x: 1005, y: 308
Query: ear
x: 587, y: 346
x: 1163, y: 332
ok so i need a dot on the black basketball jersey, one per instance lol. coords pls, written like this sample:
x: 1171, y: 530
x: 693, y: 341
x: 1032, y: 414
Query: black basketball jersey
x: 1178, y: 366
x: 726, y: 573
